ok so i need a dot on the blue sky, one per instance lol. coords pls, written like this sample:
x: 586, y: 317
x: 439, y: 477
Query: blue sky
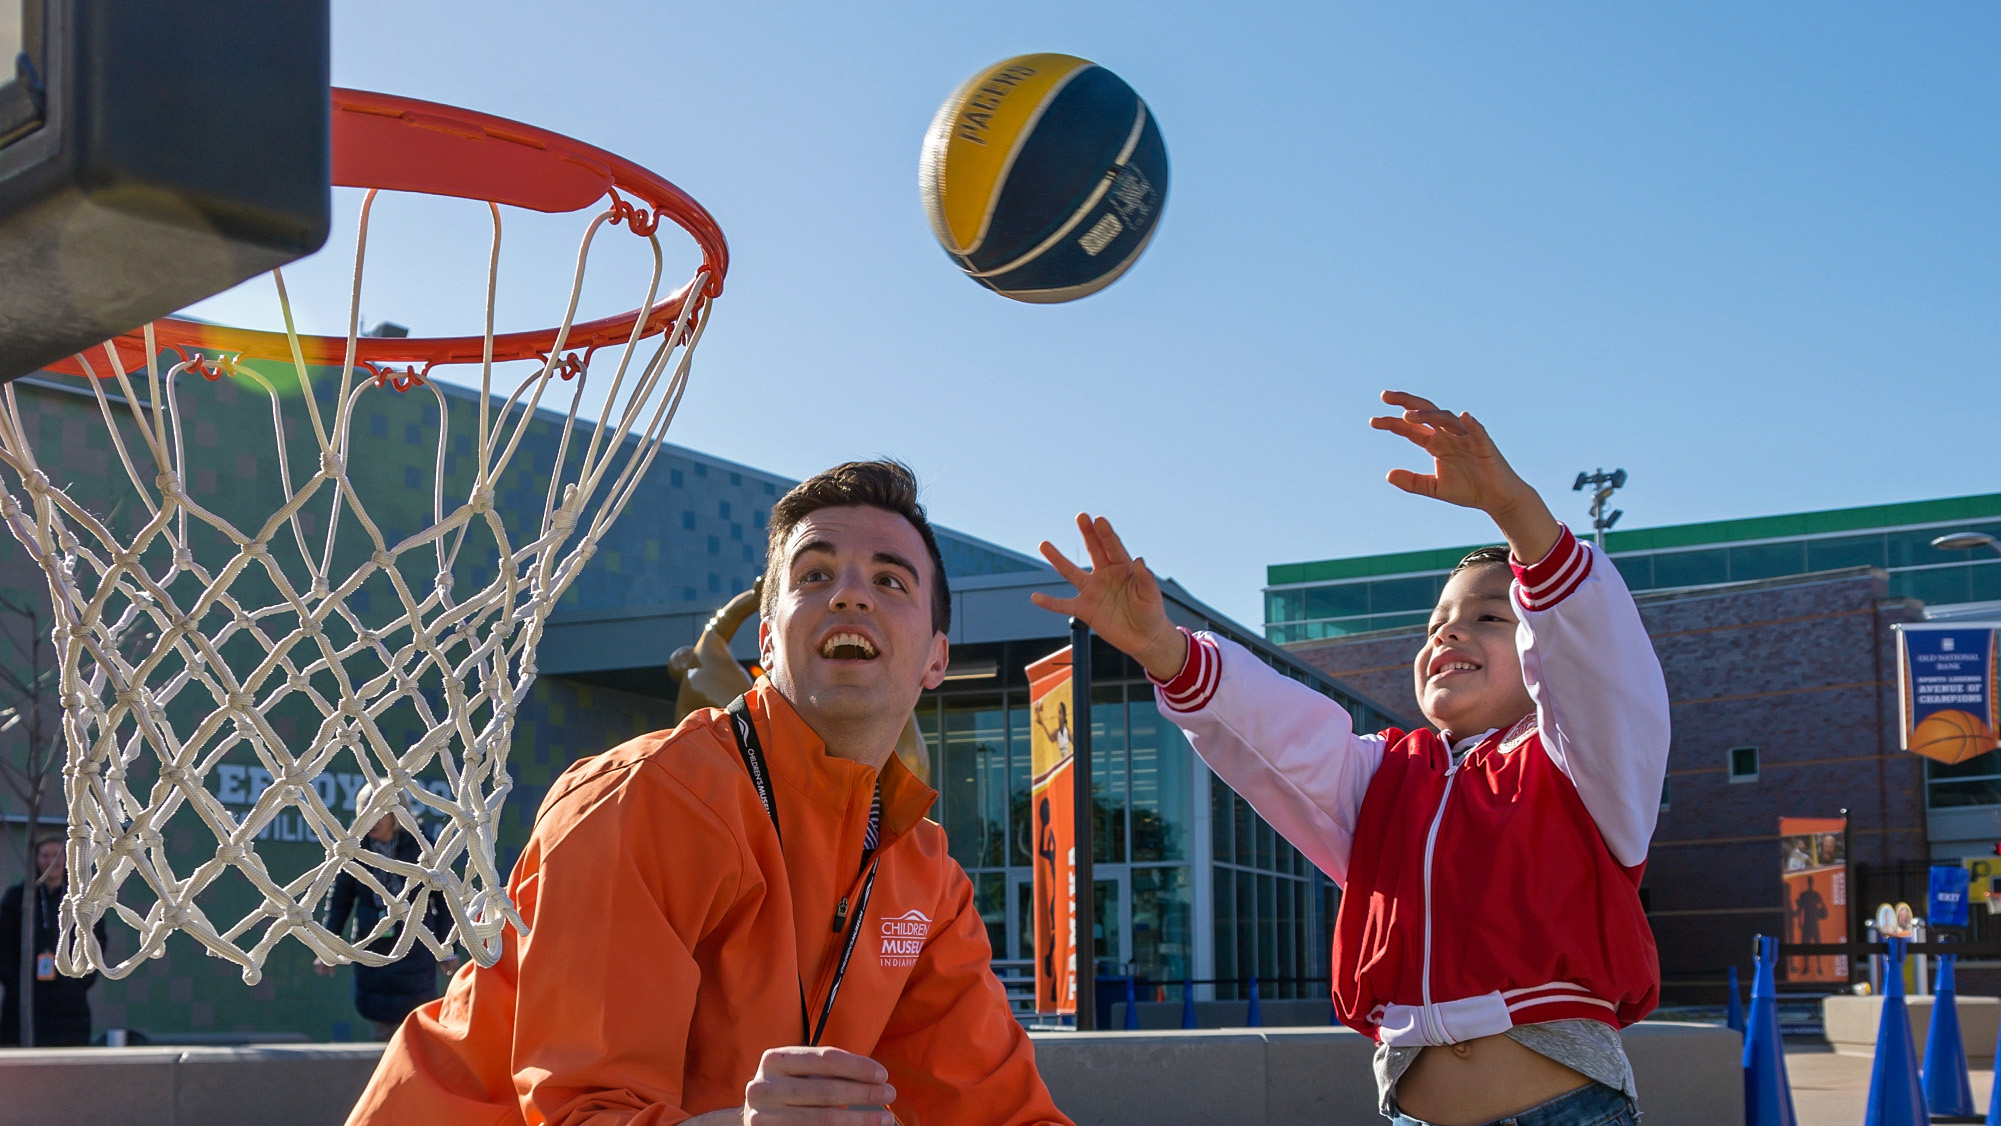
x: 1753, y: 257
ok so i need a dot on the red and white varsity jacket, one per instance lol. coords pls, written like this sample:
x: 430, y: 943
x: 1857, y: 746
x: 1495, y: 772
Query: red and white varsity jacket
x: 1502, y: 890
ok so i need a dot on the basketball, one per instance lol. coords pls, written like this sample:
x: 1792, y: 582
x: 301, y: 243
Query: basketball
x: 1951, y: 736
x: 1044, y: 177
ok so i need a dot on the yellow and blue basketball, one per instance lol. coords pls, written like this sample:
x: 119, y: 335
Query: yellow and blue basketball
x: 1044, y: 177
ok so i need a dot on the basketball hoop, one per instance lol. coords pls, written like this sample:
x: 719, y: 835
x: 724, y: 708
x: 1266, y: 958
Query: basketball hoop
x: 179, y: 641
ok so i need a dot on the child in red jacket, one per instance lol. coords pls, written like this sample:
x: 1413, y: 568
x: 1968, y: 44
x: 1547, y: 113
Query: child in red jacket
x: 1490, y: 937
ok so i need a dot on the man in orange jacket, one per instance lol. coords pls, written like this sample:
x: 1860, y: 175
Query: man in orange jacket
x: 748, y: 919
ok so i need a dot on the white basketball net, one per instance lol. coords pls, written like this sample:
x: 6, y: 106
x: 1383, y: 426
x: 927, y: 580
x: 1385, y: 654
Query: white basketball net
x: 160, y: 615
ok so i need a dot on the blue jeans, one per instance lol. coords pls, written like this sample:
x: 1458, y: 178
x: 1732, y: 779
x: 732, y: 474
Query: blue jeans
x: 1592, y: 1105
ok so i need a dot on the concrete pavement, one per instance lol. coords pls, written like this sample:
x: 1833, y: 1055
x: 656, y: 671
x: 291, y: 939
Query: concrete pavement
x: 1832, y: 1090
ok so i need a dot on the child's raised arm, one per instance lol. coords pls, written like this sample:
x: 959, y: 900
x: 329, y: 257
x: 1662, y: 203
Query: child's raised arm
x: 1600, y: 699
x: 1290, y: 751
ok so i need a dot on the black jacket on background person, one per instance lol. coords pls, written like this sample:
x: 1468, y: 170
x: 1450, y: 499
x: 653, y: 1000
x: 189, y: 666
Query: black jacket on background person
x: 62, y: 1007
x: 388, y: 993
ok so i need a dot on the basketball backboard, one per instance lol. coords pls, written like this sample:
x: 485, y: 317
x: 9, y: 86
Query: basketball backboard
x: 152, y: 153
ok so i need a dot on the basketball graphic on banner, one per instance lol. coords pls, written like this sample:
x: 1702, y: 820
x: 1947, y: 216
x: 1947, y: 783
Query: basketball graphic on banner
x: 1948, y: 690
x: 1952, y: 736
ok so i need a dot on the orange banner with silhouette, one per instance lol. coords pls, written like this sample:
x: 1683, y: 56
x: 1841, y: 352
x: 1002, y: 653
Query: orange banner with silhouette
x: 1051, y: 806
x: 1813, y: 868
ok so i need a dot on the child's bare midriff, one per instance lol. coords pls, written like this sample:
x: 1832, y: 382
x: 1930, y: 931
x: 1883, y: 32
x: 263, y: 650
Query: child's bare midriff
x: 1479, y: 1081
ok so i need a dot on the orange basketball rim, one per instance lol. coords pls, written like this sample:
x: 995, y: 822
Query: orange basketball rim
x: 392, y: 143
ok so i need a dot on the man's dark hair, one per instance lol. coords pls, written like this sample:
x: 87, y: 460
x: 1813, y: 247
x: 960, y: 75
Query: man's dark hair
x: 885, y: 484
x: 1481, y: 557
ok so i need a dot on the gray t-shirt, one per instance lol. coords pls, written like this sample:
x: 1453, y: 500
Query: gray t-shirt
x: 1590, y: 1048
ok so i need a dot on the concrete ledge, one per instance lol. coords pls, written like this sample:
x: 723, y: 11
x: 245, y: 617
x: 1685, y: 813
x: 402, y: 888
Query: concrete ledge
x: 1852, y: 1023
x: 1242, y: 1076
x: 1323, y: 1076
x: 1157, y: 1016
x: 308, y: 1085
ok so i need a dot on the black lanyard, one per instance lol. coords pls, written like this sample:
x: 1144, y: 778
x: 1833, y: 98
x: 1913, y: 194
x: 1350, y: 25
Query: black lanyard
x: 752, y: 751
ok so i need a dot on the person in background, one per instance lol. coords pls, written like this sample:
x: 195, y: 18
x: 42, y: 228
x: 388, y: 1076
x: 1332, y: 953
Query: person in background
x: 62, y: 1004
x: 386, y: 994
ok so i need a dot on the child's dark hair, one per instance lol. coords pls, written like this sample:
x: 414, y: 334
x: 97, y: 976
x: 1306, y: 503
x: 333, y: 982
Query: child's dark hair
x: 1482, y: 556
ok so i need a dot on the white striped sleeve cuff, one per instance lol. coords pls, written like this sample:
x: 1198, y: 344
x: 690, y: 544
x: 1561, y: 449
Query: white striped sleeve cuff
x: 1540, y: 586
x: 1192, y: 688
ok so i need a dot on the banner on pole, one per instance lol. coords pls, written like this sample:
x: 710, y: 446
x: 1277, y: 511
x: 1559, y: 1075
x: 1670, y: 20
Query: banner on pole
x: 1947, y: 904
x: 1946, y: 684
x: 1813, y: 869
x: 1050, y: 797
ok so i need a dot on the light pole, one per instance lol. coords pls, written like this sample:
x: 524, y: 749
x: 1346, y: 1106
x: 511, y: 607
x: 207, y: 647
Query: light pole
x: 1605, y: 485
x: 1967, y: 541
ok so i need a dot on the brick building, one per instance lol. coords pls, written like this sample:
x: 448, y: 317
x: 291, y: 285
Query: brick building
x: 1784, y: 703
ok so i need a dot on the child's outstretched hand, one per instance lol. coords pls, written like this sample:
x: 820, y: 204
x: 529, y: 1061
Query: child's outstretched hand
x: 1118, y: 598
x: 1468, y: 470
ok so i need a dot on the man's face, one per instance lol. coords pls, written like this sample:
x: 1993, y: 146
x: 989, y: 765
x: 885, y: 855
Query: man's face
x: 1469, y: 676
x: 850, y: 637
x: 50, y: 862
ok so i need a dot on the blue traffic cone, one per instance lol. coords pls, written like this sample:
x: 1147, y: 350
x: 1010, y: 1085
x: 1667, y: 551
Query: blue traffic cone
x: 1948, y: 1092
x: 1734, y: 1015
x: 1768, y: 1095
x: 1188, y: 1004
x: 1256, y: 1017
x: 1994, y: 1105
x: 1132, y: 1006
x: 1896, y: 1098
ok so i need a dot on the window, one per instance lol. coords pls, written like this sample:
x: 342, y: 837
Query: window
x: 688, y: 520
x: 678, y: 480
x: 1743, y: 764
x: 723, y: 509
x: 1691, y: 568
x: 1340, y: 601
x: 1766, y: 560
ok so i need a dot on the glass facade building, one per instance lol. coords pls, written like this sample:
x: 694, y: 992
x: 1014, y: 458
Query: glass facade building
x: 1190, y: 883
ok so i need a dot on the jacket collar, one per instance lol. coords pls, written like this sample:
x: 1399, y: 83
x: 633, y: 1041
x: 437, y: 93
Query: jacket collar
x: 798, y: 758
x: 1505, y: 739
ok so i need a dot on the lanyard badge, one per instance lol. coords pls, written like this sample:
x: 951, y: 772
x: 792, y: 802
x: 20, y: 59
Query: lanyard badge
x: 752, y: 750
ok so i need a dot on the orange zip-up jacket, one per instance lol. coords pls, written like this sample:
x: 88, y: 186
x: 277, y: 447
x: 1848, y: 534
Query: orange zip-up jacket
x: 670, y: 934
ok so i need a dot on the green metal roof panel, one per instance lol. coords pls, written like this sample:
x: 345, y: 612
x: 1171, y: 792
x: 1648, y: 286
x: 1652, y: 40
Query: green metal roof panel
x: 1363, y: 566
x: 1826, y: 522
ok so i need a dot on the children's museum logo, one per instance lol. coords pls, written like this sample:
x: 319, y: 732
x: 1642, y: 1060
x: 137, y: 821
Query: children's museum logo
x: 903, y: 937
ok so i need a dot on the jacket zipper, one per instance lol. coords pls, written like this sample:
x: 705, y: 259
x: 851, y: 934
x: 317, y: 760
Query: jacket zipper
x: 1430, y: 844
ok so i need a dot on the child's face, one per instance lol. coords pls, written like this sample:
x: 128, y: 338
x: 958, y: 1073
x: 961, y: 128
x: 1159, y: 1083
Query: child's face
x: 1469, y: 676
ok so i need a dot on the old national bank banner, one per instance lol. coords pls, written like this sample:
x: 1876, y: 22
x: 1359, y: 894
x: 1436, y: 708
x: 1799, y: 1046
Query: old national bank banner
x: 1051, y: 796
x: 1813, y: 869
x: 1946, y: 682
